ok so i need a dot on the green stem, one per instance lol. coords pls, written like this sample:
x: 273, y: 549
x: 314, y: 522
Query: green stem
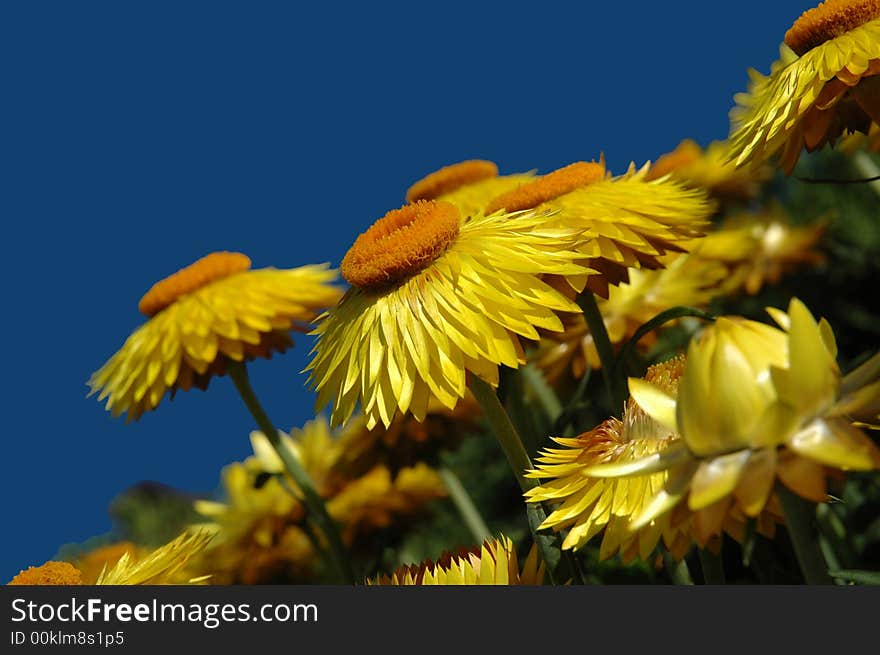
x: 313, y: 502
x: 678, y: 571
x: 465, y: 505
x: 800, y: 519
x: 866, y: 166
x: 593, y: 317
x: 504, y: 431
x: 713, y: 567
x: 519, y: 461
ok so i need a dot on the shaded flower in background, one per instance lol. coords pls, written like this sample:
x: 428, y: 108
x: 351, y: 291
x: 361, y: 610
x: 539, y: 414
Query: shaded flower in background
x: 261, y: 531
x: 168, y: 564
x: 624, y: 222
x: 469, y: 185
x: 493, y: 563
x: 709, y: 169
x: 434, y: 297
x: 759, y: 248
x: 825, y: 84
x: 685, y: 280
x: 755, y: 403
x: 211, y: 311
x: 406, y: 441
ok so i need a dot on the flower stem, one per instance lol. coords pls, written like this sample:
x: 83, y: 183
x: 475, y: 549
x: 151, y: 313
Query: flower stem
x: 313, y: 502
x: 678, y: 571
x: 866, y: 166
x: 504, y: 431
x: 800, y: 519
x: 465, y: 505
x: 713, y: 567
x: 616, y: 391
x: 519, y: 461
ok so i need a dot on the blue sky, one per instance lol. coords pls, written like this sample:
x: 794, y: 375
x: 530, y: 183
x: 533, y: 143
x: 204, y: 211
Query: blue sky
x: 138, y: 138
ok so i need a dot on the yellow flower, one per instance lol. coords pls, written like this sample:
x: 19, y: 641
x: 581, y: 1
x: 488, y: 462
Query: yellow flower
x: 435, y: 297
x: 590, y: 505
x: 709, y: 169
x: 167, y: 564
x: 824, y: 85
x: 494, y: 563
x: 214, y: 310
x: 759, y: 249
x: 260, y: 526
x: 469, y: 185
x: 755, y: 403
x: 685, y: 280
x: 624, y: 222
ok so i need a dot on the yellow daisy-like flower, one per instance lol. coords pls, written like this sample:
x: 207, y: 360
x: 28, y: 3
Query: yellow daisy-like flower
x: 164, y: 565
x: 709, y: 169
x: 260, y: 531
x: 469, y: 185
x: 494, y: 563
x: 685, y: 280
x: 590, y: 505
x: 825, y: 84
x: 436, y: 297
x: 624, y: 222
x: 201, y: 317
x: 755, y: 403
x: 758, y: 249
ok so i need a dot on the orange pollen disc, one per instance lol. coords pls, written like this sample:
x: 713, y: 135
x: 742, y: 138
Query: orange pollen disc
x: 548, y: 187
x: 212, y: 267
x: 50, y: 573
x: 829, y: 20
x: 400, y: 244
x: 450, y: 178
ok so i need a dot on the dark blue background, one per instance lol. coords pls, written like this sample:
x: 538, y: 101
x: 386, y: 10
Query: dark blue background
x: 139, y: 137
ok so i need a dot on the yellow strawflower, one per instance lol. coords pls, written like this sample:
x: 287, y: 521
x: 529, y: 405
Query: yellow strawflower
x: 493, y: 563
x: 212, y: 311
x: 167, y: 564
x: 709, y: 169
x: 260, y: 525
x: 436, y: 297
x: 825, y: 84
x: 755, y: 404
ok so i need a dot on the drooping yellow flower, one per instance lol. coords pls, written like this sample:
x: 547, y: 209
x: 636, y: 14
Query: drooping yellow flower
x: 825, y: 84
x: 494, y: 563
x: 164, y: 565
x: 591, y: 505
x: 436, y: 297
x: 709, y: 169
x: 755, y: 403
x: 469, y: 185
x: 685, y: 280
x: 758, y: 249
x: 624, y: 222
x: 202, y: 316
x: 260, y: 528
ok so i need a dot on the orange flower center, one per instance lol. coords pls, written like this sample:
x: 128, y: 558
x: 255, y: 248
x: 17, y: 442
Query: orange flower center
x: 450, y: 178
x: 400, y: 244
x: 829, y: 20
x: 548, y: 187
x: 212, y: 267
x: 50, y: 573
